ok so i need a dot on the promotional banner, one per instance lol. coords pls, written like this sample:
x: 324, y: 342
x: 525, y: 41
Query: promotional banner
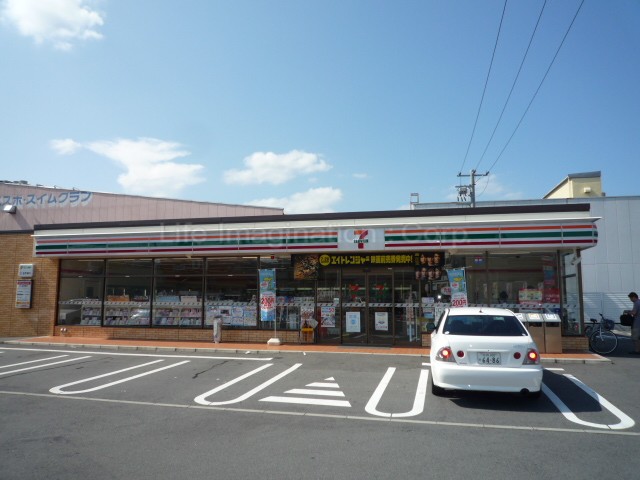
x: 458, y: 287
x: 268, y: 294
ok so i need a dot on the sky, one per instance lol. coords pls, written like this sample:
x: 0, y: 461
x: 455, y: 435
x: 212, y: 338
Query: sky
x: 320, y: 106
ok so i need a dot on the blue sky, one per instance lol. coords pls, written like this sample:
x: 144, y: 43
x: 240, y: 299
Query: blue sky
x: 319, y: 106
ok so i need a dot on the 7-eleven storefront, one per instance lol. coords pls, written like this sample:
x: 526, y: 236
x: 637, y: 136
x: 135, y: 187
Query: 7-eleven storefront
x: 371, y: 278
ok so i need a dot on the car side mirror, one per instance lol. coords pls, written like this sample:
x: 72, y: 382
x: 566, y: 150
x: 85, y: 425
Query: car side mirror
x: 431, y: 327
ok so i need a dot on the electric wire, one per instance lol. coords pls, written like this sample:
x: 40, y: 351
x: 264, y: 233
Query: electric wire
x: 486, y: 82
x: 539, y: 86
x: 515, y: 81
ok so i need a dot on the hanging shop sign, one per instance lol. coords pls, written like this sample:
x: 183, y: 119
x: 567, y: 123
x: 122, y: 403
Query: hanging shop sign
x: 23, y: 293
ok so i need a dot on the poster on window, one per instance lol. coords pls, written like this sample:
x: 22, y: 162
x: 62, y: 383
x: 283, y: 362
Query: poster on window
x: 328, y: 316
x: 382, y: 321
x: 458, y: 286
x: 268, y: 294
x: 353, y: 322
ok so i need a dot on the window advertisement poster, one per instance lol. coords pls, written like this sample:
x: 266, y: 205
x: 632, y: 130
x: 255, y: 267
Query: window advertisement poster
x: 23, y: 293
x: 328, y: 316
x: 268, y: 294
x: 353, y: 322
x: 458, y: 285
x: 382, y: 321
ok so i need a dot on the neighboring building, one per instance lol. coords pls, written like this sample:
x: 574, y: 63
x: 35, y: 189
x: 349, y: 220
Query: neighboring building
x: 358, y: 277
x: 24, y: 206
x: 611, y: 269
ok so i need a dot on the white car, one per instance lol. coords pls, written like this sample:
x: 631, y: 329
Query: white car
x: 482, y: 348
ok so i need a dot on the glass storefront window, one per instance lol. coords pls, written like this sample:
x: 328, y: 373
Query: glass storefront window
x: 571, y: 307
x: 231, y: 291
x: 328, y: 312
x: 81, y: 292
x: 295, y: 299
x: 177, y: 300
x: 128, y: 292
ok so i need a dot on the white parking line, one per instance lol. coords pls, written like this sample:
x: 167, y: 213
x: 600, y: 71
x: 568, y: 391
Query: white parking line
x: 201, y: 398
x: 153, y: 355
x: 59, y: 389
x: 418, y: 402
x: 33, y: 361
x: 624, y: 423
x: 328, y: 416
x: 44, y: 365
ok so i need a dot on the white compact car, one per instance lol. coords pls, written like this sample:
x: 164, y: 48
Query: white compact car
x: 482, y: 348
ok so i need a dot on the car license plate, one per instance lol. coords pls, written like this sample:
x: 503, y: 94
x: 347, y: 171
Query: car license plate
x: 488, y: 358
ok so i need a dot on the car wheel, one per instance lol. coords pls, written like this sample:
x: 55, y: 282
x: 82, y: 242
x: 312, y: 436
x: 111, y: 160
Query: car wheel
x: 535, y: 395
x: 436, y: 390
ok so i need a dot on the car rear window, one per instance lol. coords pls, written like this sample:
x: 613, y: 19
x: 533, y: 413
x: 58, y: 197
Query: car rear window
x: 483, y: 325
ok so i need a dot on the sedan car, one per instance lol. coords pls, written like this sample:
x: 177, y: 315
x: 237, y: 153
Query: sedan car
x: 482, y: 348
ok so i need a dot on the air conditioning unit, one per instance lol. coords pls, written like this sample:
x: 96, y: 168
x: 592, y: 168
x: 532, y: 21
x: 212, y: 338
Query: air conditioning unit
x: 587, y: 190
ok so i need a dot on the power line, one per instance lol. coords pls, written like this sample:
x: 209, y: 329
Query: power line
x: 486, y: 82
x: 513, y: 85
x: 539, y: 86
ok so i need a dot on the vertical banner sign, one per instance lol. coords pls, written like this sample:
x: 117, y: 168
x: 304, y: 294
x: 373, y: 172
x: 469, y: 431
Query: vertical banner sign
x: 268, y: 295
x: 23, y: 293
x: 458, y: 287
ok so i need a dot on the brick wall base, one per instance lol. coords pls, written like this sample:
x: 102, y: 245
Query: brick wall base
x: 180, y: 335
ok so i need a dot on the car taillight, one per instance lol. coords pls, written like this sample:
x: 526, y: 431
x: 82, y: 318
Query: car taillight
x: 445, y: 355
x: 532, y: 357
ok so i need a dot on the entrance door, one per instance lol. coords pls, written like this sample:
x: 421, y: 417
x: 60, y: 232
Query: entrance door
x: 367, y: 308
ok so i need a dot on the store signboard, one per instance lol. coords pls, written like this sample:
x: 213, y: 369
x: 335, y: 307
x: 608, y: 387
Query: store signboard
x: 25, y: 270
x: 23, y: 293
x: 361, y: 239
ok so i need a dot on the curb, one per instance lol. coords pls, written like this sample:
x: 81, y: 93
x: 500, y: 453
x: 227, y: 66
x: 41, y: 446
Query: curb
x: 594, y: 360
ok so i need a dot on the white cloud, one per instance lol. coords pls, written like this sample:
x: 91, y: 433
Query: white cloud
x: 269, y: 167
x: 60, y: 22
x: 315, y: 200
x: 149, y: 164
x: 361, y: 176
x: 65, y: 146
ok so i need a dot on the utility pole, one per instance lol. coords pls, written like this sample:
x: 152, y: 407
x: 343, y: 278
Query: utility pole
x: 462, y: 189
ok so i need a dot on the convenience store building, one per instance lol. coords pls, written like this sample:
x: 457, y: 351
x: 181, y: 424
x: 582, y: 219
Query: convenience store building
x: 371, y: 278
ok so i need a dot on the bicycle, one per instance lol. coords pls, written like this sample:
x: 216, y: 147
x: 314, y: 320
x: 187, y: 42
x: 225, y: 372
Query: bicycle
x: 601, y: 338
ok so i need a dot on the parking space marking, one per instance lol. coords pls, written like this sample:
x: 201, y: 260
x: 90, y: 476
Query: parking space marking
x: 328, y: 388
x: 328, y: 416
x: 201, y: 399
x: 33, y: 361
x: 418, y: 401
x: 59, y: 389
x: 625, y: 421
x: 44, y: 365
x: 156, y: 355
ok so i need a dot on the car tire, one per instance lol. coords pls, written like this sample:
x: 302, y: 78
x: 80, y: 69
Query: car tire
x: 436, y: 390
x: 535, y: 395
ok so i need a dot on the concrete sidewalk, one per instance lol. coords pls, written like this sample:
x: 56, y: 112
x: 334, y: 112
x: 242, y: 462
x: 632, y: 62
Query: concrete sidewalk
x: 160, y: 346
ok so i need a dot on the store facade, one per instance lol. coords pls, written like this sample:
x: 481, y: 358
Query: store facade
x: 369, y: 278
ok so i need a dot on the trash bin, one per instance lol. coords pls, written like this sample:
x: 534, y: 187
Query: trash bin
x: 306, y: 333
x: 535, y: 325
x: 217, y: 328
x: 552, y: 333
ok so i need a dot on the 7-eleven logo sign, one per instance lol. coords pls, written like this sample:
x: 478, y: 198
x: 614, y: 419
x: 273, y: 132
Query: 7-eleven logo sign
x: 361, y: 238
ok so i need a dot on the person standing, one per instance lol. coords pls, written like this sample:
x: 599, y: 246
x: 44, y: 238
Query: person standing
x: 635, y: 327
